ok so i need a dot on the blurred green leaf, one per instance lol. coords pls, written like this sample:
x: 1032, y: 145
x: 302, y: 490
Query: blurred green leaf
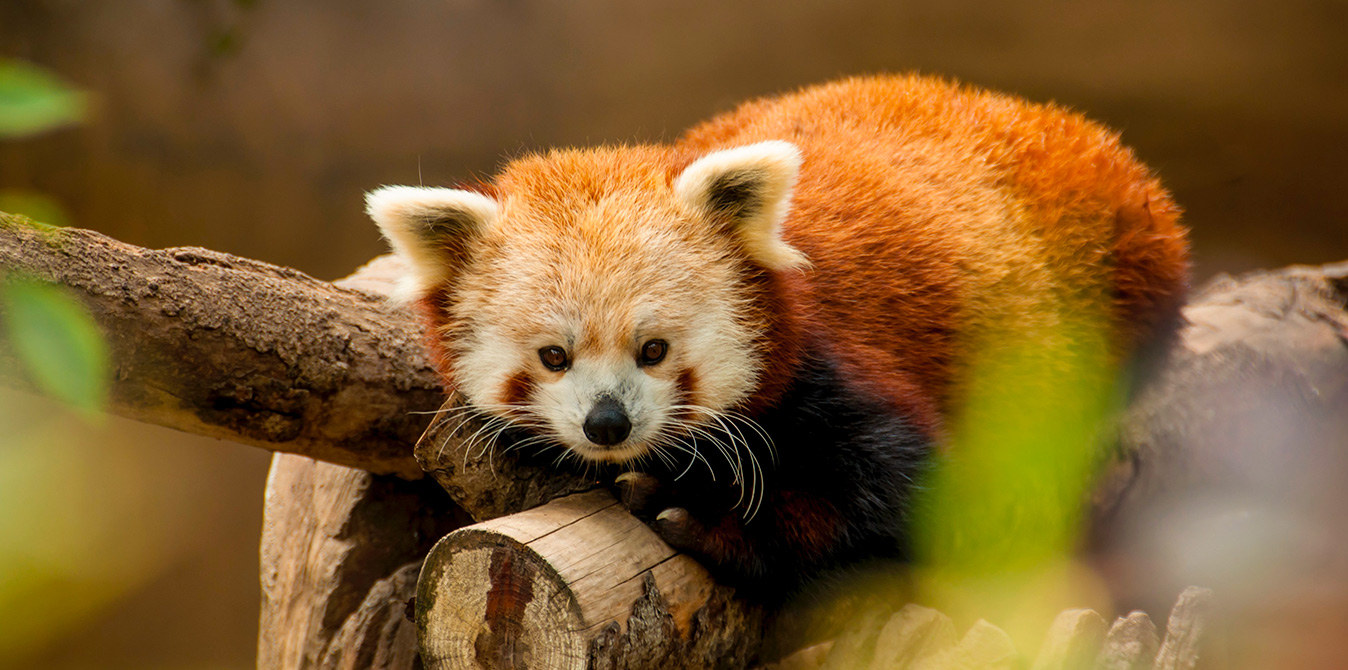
x: 34, y: 205
x: 57, y: 340
x: 33, y: 100
x: 999, y: 518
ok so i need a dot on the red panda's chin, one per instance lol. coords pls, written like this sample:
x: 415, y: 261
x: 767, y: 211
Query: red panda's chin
x: 621, y: 453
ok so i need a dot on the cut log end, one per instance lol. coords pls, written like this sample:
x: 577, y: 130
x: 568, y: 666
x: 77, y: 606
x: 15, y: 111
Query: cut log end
x: 577, y: 583
x: 487, y: 601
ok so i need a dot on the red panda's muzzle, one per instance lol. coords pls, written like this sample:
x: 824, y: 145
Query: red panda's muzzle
x: 607, y: 423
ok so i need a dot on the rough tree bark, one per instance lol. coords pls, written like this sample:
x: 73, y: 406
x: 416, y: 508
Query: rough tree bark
x: 228, y: 347
x: 340, y: 554
x: 1266, y: 351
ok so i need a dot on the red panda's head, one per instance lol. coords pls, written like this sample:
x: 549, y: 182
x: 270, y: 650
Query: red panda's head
x: 602, y: 298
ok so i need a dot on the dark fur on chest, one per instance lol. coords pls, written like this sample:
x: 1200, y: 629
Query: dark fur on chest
x: 837, y: 493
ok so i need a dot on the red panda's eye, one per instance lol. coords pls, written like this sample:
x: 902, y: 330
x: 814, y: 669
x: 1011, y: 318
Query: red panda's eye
x: 653, y: 352
x: 554, y: 358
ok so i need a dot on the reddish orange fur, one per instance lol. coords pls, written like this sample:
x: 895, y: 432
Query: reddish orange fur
x: 885, y: 161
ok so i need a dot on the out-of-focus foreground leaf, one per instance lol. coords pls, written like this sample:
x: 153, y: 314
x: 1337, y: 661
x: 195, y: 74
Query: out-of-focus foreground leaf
x: 57, y: 341
x: 32, y: 100
x: 1000, y: 517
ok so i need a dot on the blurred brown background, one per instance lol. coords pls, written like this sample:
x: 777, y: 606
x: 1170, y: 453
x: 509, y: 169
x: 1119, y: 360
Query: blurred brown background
x: 254, y: 127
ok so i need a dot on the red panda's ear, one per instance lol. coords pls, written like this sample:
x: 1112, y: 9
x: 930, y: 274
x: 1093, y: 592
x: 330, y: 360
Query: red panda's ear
x: 750, y: 188
x: 430, y: 228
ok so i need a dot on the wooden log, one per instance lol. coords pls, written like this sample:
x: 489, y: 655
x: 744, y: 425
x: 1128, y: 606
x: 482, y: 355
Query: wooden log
x: 855, y: 648
x: 336, y: 548
x: 983, y: 647
x: 1131, y: 644
x: 809, y: 658
x: 341, y: 551
x: 578, y: 583
x: 1073, y: 641
x: 379, y: 634
x: 1190, y: 641
x: 919, y: 638
x: 1264, y: 346
x: 228, y: 347
x: 1236, y: 446
x: 912, y: 635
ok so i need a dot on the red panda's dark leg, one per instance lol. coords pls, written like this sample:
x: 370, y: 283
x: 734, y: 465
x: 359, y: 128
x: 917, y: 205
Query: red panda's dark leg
x: 836, y: 485
x: 723, y: 544
x: 720, y: 541
x: 799, y: 532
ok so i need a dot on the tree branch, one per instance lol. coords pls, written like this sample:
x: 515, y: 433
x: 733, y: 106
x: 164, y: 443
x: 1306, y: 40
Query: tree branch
x: 228, y: 347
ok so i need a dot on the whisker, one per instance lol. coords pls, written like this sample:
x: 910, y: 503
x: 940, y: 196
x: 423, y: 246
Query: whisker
x: 694, y: 456
x: 697, y: 454
x: 751, y: 479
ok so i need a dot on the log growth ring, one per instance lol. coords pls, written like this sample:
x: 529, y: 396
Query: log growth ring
x: 522, y: 616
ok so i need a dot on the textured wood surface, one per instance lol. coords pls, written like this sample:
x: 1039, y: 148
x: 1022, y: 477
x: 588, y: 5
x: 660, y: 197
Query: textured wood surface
x: 1259, y: 349
x: 855, y: 647
x: 233, y: 348
x: 918, y: 638
x: 577, y: 583
x: 1189, y: 635
x: 983, y: 647
x: 911, y: 636
x: 1073, y: 641
x: 1131, y: 644
x: 340, y: 552
x: 378, y: 635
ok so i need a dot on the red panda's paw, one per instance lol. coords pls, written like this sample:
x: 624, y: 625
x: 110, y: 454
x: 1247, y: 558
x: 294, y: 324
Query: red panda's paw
x: 681, y: 531
x: 719, y: 541
x: 639, y: 492
x: 646, y: 497
x: 720, y: 544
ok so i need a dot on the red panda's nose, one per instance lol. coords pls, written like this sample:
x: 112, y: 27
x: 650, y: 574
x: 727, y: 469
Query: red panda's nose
x: 607, y: 423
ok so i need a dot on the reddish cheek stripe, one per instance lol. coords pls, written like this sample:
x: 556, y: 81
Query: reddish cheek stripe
x: 434, y: 315
x: 518, y: 388
x: 687, y: 385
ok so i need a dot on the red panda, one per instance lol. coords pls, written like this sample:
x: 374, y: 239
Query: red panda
x: 776, y: 314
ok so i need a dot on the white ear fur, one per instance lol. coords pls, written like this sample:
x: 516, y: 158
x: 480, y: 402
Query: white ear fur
x: 751, y: 186
x: 428, y: 227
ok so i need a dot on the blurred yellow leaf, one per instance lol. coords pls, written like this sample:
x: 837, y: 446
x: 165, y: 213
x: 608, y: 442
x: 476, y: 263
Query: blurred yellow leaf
x: 999, y: 519
x: 79, y: 527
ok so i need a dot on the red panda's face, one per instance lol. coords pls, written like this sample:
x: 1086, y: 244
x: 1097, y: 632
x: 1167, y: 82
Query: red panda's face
x: 597, y: 302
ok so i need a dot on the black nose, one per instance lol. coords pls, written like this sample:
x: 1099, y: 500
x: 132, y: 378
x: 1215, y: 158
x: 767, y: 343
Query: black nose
x: 607, y: 423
